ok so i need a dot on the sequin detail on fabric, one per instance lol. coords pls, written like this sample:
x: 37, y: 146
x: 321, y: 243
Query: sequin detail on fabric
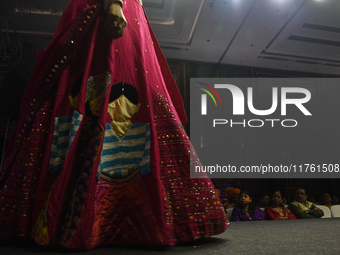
x: 192, y: 208
x: 48, y: 82
x: 18, y: 193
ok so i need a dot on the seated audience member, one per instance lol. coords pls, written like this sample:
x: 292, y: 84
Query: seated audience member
x: 302, y: 208
x: 264, y: 200
x: 246, y: 210
x: 233, y: 196
x: 284, y: 201
x: 277, y: 211
x: 326, y: 200
x: 335, y: 200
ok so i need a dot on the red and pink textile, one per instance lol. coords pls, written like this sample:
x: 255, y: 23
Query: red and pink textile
x: 73, y: 207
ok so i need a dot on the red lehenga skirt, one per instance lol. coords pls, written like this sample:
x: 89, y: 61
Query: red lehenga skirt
x: 53, y: 185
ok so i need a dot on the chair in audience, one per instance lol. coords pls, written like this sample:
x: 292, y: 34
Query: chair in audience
x: 229, y: 212
x: 326, y: 211
x: 335, y: 211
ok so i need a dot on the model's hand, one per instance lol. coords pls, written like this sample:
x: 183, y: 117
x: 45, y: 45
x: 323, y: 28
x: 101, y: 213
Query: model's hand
x: 116, y: 22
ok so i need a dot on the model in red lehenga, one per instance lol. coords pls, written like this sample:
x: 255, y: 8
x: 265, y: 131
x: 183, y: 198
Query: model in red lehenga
x: 100, y: 154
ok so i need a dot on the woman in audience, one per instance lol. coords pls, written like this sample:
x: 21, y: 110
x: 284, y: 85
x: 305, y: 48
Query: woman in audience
x: 246, y: 210
x: 335, y: 200
x: 327, y: 200
x: 263, y: 200
x: 277, y: 211
x: 233, y: 197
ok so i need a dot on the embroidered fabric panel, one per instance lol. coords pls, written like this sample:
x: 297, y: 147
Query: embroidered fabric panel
x: 87, y: 150
x: 18, y: 194
x: 65, y: 130
x: 75, y: 123
x: 124, y: 214
x: 192, y: 209
x: 59, y: 143
x: 97, y: 85
x: 47, y: 84
x: 144, y: 165
x: 39, y: 230
x: 96, y: 91
x: 122, y: 159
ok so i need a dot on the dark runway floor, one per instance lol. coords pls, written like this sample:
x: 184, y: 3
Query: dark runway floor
x: 312, y: 236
